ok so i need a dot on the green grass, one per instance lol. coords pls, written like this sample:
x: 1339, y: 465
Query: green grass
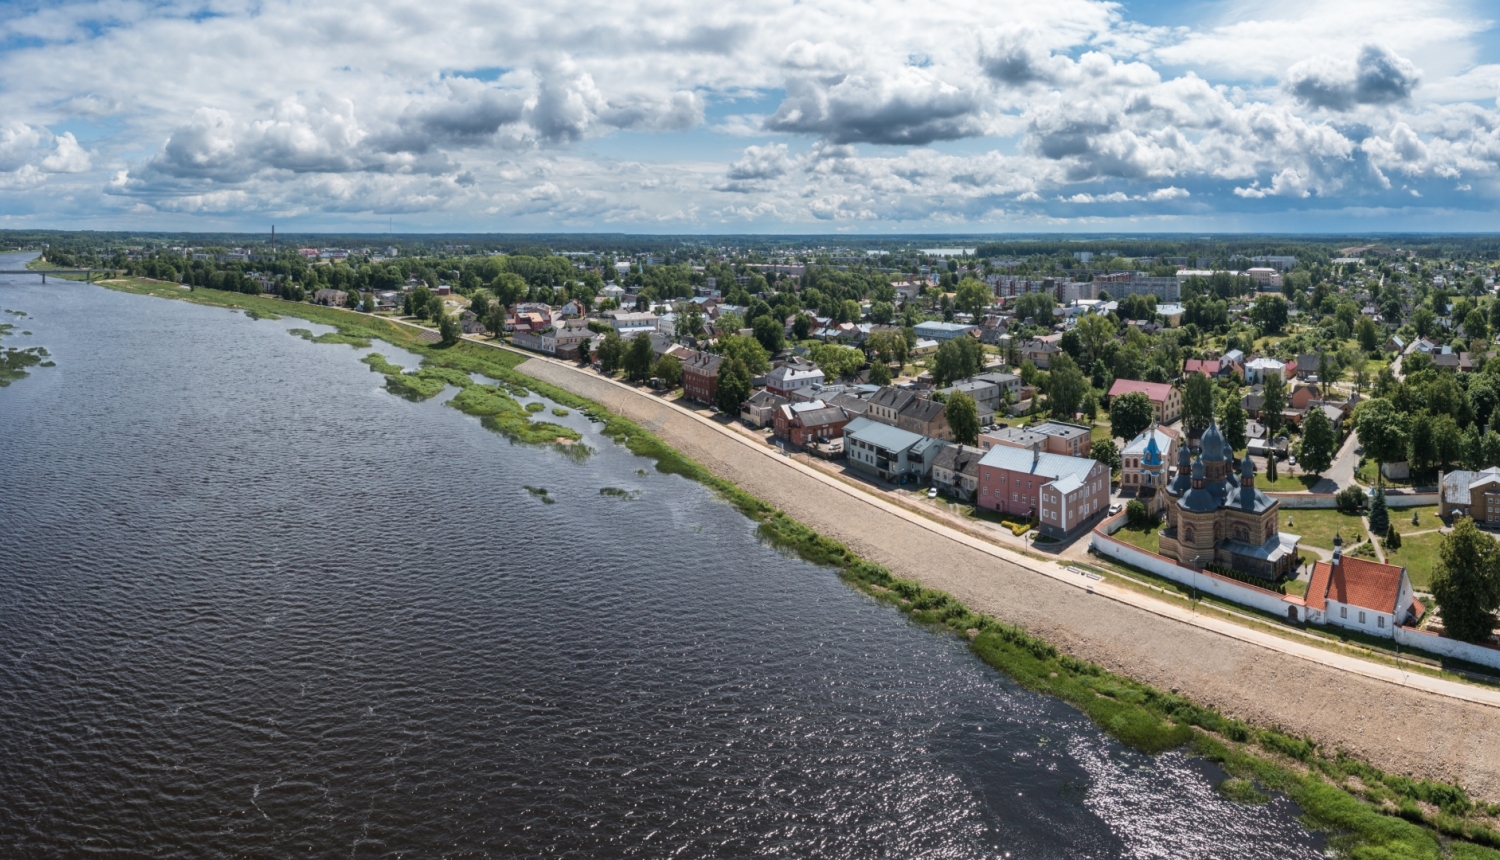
x: 560, y: 412
x: 327, y: 337
x: 1242, y: 791
x: 1318, y: 526
x: 1148, y: 539
x: 14, y: 363
x: 535, y: 407
x: 1099, y: 431
x: 1369, y: 823
x: 1285, y: 483
x: 1427, y: 518
x: 1417, y: 554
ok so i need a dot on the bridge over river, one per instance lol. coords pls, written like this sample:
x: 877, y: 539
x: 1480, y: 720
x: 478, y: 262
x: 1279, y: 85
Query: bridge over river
x: 87, y: 273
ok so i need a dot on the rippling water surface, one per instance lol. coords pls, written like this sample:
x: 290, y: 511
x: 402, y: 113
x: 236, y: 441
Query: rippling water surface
x: 253, y: 605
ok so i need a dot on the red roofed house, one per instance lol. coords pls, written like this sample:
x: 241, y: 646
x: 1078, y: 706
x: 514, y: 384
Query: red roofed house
x: 1205, y: 366
x: 1166, y: 401
x: 1361, y: 594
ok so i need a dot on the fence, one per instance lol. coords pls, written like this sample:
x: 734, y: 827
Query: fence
x: 1483, y: 655
x: 1393, y: 499
x: 1222, y: 587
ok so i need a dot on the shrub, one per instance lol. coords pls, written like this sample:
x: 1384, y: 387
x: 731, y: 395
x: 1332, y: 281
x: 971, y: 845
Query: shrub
x: 1350, y: 499
x: 1136, y: 515
x: 1392, y: 537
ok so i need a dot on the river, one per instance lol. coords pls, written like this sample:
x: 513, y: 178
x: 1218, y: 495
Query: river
x: 252, y: 604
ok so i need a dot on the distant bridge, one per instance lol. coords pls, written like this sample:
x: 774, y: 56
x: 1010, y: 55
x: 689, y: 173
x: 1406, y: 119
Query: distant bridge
x: 89, y: 273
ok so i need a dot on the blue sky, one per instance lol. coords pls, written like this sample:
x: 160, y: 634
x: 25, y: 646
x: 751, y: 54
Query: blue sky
x: 819, y: 116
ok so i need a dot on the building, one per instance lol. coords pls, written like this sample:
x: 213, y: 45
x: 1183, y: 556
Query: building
x: 925, y: 418
x: 1215, y: 520
x: 1166, y: 401
x: 1257, y: 368
x: 790, y: 378
x: 956, y: 470
x: 802, y: 423
x: 700, y: 375
x: 986, y: 394
x: 1471, y: 494
x: 1146, y: 466
x: 941, y: 331
x: 760, y: 409
x: 1280, y: 264
x: 1040, y: 351
x: 1361, y: 594
x: 1063, y: 494
x: 631, y: 323
x: 886, y: 452
x: 887, y: 404
x: 1052, y: 437
x: 1264, y: 277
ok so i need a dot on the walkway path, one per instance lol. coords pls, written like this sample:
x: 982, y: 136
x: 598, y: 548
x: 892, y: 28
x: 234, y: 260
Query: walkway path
x: 1415, y: 723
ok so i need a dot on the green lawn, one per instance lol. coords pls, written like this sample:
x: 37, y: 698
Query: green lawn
x: 1285, y: 483
x: 1148, y: 539
x: 1427, y: 518
x: 1099, y: 431
x: 1317, y: 527
x: 1365, y: 474
x: 1417, y: 555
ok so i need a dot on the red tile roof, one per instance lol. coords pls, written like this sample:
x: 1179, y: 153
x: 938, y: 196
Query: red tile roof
x: 1157, y: 391
x: 1355, y: 582
x: 1202, y: 365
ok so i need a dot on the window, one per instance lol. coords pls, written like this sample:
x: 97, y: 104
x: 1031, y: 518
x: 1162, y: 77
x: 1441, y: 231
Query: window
x: 1343, y: 612
x: 1380, y: 621
x: 1361, y: 618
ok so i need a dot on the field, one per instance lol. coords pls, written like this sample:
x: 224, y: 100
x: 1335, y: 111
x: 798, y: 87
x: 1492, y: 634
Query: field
x: 1148, y: 539
x: 1417, y: 555
x: 1317, y: 527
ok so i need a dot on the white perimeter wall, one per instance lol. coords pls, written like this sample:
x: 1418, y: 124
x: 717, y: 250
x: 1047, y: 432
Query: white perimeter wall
x: 1326, y: 500
x: 1435, y: 644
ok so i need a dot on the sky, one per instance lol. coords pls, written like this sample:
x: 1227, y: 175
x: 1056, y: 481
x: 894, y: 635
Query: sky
x: 865, y: 117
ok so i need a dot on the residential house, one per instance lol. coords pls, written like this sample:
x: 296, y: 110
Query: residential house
x: 794, y: 376
x: 1007, y: 381
x: 1063, y: 494
x: 631, y: 323
x: 1166, y: 401
x: 801, y: 423
x: 1361, y: 594
x: 544, y: 341
x: 926, y: 418
x: 700, y: 375
x: 1053, y: 437
x: 760, y: 409
x: 1309, y: 365
x: 887, y: 452
x: 955, y: 470
x: 1146, y: 467
x: 1448, y: 357
x: 1039, y: 351
x: 887, y: 403
x: 1257, y: 368
x: 986, y: 394
x: 1394, y: 344
x: 569, y: 338
x: 1473, y: 494
x: 332, y: 298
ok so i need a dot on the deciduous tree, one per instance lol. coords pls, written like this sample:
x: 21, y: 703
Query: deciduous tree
x: 1318, y: 442
x: 1066, y: 386
x: 963, y: 418
x: 1129, y: 414
x: 1197, y: 403
x: 638, y: 357
x: 1466, y: 582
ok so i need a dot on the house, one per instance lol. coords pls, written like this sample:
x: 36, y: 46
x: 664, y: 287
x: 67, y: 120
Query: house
x: 1304, y: 396
x: 1447, y: 357
x: 332, y: 298
x: 1007, y: 381
x: 1166, y: 401
x: 1039, y: 351
x: 924, y: 346
x: 956, y: 470
x: 887, y: 403
x: 1394, y: 344
x: 986, y: 394
x: 1063, y: 494
x: 1214, y: 519
x: 941, y: 331
x: 544, y: 341
x: 1309, y: 365
x: 1053, y: 437
x: 569, y: 338
x: 759, y: 410
x: 925, y: 418
x: 1146, y: 465
x: 886, y: 452
x: 801, y: 423
x: 700, y: 375
x: 631, y: 323
x: 1257, y: 368
x: 792, y: 377
x: 1361, y: 594
x: 1473, y: 494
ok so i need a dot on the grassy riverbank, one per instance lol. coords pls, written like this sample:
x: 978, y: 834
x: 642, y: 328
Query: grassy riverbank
x: 1368, y: 814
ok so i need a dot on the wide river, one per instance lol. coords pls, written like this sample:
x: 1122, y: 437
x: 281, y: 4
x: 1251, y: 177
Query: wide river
x: 253, y: 605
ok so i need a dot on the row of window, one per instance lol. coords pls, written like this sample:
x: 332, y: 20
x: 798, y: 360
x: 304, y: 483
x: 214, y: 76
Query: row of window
x: 1379, y: 619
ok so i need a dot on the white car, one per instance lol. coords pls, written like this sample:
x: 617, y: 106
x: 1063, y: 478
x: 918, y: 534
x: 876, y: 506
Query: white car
x: 932, y: 493
x: 1115, y: 508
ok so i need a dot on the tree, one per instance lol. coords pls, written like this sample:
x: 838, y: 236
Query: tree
x: 669, y: 370
x: 882, y: 312
x: 1271, y: 468
x: 1392, y: 537
x: 768, y: 330
x: 495, y: 320
x: 416, y: 302
x: 584, y: 347
x: 957, y: 358
x: 1136, y: 515
x: 1380, y: 515
x: 638, y: 357
x: 1382, y: 430
x: 1197, y: 403
x: 352, y: 300
x: 448, y: 330
x: 1476, y: 326
x: 1232, y: 423
x: 1368, y: 334
x: 880, y: 373
x: 1094, y: 331
x: 1422, y: 321
x: 837, y: 362
x: 1466, y: 582
x: 1269, y: 314
x: 509, y: 288
x: 1273, y: 394
x: 963, y: 418
x: 1421, y: 447
x: 972, y: 297
x: 734, y: 385
x: 1106, y: 452
x: 748, y: 350
x: 1036, y: 305
x: 1066, y: 387
x: 1319, y: 442
x: 1130, y: 415
x: 611, y: 352
x: 801, y: 326
x: 480, y: 305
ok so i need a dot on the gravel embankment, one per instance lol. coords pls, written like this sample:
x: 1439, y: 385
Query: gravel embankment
x: 1395, y: 728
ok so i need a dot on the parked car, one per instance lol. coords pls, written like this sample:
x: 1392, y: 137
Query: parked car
x: 1115, y: 508
x: 932, y: 492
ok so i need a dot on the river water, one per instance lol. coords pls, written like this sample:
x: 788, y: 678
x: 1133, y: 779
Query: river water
x: 253, y: 605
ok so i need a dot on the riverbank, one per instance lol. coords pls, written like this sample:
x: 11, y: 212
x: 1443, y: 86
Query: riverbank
x: 815, y: 523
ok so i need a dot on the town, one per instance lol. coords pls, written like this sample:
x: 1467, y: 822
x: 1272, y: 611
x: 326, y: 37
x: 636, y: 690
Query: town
x: 1300, y: 433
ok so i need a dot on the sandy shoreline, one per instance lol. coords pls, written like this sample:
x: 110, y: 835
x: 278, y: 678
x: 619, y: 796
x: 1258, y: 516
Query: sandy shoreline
x: 1398, y: 729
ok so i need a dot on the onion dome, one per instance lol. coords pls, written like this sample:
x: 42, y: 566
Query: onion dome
x: 1213, y: 445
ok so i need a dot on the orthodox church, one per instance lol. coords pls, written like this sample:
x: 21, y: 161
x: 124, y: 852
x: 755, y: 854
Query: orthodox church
x: 1212, y: 518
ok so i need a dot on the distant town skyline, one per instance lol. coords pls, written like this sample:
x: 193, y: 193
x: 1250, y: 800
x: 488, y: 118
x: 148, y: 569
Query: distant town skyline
x: 824, y: 116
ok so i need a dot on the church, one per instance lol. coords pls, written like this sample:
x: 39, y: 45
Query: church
x: 1214, y: 519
